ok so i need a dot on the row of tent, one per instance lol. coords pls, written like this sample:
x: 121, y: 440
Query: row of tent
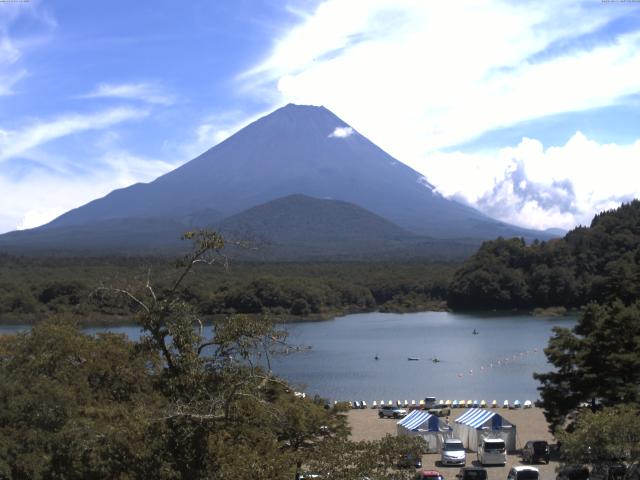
x: 470, y: 427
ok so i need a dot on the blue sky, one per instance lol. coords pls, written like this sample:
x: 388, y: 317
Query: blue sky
x: 528, y: 111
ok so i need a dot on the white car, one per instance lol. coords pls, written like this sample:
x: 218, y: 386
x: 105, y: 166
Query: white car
x: 492, y: 451
x: 523, y: 473
x: 391, y: 412
x: 453, y: 452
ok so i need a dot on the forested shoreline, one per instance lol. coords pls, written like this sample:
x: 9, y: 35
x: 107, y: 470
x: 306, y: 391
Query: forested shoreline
x: 599, y: 263
x: 596, y: 263
x: 32, y: 288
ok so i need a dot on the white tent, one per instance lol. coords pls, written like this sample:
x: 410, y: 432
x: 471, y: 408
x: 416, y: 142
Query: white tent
x: 423, y: 424
x: 478, y: 423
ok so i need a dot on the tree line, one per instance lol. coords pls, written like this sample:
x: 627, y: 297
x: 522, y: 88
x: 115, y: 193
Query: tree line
x: 597, y: 263
x: 32, y: 288
x: 177, y: 404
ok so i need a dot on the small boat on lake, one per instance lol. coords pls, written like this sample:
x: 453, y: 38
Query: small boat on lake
x: 413, y: 358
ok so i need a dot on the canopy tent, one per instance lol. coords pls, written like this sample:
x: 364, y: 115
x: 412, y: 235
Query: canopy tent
x: 478, y: 423
x: 423, y: 424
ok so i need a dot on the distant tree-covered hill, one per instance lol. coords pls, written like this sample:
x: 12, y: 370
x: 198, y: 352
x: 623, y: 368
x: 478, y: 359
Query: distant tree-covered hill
x: 598, y: 263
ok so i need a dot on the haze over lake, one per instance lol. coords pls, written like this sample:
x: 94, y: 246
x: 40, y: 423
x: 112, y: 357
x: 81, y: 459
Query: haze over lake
x: 497, y: 363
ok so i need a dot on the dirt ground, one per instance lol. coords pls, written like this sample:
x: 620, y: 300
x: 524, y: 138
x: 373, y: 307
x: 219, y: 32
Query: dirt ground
x: 530, y: 424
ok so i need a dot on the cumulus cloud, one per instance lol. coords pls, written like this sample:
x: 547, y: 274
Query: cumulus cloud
x: 530, y: 185
x: 143, y: 92
x: 341, y: 132
x: 419, y: 78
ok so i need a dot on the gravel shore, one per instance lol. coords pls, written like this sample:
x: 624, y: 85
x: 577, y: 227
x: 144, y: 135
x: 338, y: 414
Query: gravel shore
x: 530, y: 424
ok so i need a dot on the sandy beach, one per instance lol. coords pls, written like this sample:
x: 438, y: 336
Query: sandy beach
x: 530, y: 424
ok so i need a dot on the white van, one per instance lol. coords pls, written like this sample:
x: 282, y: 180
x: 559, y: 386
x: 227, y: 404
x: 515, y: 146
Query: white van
x: 492, y: 451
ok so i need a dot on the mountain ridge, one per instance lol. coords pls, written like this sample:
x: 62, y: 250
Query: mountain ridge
x: 293, y: 150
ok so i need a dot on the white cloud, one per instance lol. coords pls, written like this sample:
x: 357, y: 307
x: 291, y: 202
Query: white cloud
x: 17, y: 142
x: 43, y: 195
x: 341, y: 132
x: 9, y: 80
x: 144, y: 92
x: 540, y: 187
x: 9, y: 54
x: 38, y: 216
x: 416, y: 77
x: 214, y: 129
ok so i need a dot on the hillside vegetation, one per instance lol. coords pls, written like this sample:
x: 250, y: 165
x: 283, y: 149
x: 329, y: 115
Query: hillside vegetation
x: 32, y: 288
x: 596, y: 263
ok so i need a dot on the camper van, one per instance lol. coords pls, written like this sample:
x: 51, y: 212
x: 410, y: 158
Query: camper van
x: 492, y: 451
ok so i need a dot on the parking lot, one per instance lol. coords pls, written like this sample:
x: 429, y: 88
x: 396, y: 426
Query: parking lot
x: 530, y: 424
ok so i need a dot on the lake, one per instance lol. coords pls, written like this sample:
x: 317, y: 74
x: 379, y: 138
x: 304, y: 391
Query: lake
x: 497, y: 363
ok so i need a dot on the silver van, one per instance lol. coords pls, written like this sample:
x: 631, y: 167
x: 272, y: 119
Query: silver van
x: 492, y: 451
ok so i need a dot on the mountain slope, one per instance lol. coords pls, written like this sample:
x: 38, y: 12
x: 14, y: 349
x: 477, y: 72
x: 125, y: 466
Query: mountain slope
x: 299, y: 219
x: 296, y: 227
x: 291, y: 151
x: 302, y: 227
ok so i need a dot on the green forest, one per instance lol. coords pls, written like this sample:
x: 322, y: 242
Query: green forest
x: 597, y: 263
x: 174, y: 405
x: 33, y: 287
x: 178, y: 404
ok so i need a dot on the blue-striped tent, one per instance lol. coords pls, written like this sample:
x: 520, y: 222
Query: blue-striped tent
x: 423, y: 424
x: 478, y: 423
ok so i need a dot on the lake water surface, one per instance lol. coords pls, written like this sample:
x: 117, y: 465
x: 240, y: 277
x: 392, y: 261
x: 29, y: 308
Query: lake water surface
x: 497, y: 363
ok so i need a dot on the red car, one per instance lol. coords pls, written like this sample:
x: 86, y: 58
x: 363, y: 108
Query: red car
x: 428, y: 475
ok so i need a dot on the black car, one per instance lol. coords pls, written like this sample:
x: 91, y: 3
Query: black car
x: 472, y: 473
x: 409, y: 460
x: 535, y: 451
x: 573, y: 472
x: 608, y: 471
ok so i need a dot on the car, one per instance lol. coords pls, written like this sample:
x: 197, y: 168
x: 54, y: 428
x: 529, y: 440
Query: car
x: 523, y: 473
x: 429, y: 402
x: 608, y: 471
x: 535, y: 450
x: 573, y: 472
x: 472, y: 473
x: 391, y: 411
x: 409, y: 460
x: 428, y: 475
x: 453, y: 452
x: 492, y: 451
